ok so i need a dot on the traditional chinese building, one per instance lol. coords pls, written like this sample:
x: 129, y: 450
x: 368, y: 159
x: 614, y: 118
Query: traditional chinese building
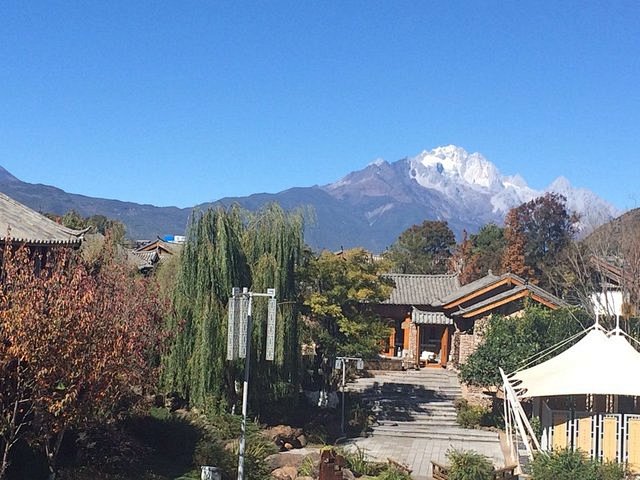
x: 435, y: 320
x: 23, y: 226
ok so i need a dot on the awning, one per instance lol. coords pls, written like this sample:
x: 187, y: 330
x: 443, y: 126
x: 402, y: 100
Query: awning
x: 430, y: 318
x: 598, y: 364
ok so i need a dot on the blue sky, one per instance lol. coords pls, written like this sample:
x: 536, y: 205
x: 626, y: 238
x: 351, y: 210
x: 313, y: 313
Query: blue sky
x: 177, y: 103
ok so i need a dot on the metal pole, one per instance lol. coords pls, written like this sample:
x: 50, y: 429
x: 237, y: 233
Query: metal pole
x: 344, y: 370
x: 245, y: 391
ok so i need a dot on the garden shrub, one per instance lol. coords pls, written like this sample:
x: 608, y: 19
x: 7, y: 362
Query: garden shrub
x: 471, y: 416
x: 308, y: 467
x: 469, y: 465
x: 570, y: 465
x: 393, y: 473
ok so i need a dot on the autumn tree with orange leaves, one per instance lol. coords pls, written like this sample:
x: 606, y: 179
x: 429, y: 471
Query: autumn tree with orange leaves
x: 75, y: 342
x: 537, y: 233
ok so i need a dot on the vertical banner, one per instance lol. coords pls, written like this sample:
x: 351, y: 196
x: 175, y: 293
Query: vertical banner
x: 233, y: 327
x: 242, y: 337
x: 271, y: 330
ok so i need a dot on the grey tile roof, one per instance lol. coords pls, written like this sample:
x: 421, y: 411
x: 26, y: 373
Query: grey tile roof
x: 506, y: 294
x: 420, y: 289
x: 430, y: 318
x: 159, y: 245
x: 143, y: 260
x: 541, y: 292
x: 24, y: 225
x: 471, y: 287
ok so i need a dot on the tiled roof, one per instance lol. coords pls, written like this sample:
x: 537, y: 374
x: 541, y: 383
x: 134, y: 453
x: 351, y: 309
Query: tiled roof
x: 143, y: 260
x: 470, y: 288
x: 508, y: 293
x: 160, y: 244
x: 24, y: 225
x: 420, y: 289
x: 430, y: 318
x: 546, y: 295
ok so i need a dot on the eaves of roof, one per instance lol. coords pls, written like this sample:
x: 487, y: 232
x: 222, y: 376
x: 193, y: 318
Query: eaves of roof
x: 508, y: 296
x: 420, y: 317
x: 20, y: 224
x: 479, y: 287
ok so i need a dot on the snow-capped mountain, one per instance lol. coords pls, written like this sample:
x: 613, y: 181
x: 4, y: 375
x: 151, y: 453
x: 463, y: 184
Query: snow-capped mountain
x: 463, y: 188
x: 368, y: 207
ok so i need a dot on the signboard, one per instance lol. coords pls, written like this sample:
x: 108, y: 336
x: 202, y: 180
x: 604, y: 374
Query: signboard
x: 233, y: 328
x: 271, y: 329
x: 242, y: 336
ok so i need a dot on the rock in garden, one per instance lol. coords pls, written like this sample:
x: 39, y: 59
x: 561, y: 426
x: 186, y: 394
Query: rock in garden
x: 302, y: 440
x: 278, y: 460
x: 285, y: 473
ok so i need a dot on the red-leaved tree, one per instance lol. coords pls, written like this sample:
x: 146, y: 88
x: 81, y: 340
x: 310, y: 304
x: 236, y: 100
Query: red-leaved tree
x: 76, y: 341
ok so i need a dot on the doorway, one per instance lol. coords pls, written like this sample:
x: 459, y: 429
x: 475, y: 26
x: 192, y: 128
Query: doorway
x: 433, y: 343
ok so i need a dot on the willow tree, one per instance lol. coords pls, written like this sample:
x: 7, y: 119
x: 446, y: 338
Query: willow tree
x: 273, y: 245
x: 227, y: 248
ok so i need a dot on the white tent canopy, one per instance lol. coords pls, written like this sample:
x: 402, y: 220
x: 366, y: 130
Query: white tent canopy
x: 598, y: 364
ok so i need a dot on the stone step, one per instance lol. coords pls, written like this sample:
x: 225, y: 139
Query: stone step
x: 440, y: 434
x: 417, y: 419
x: 407, y: 381
x: 416, y: 426
x: 397, y: 392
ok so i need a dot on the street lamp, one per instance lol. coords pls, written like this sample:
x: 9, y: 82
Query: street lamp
x: 341, y: 362
x: 239, y: 345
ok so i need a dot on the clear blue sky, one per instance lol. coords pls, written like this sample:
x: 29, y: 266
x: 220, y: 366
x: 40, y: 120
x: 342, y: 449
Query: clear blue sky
x: 177, y: 103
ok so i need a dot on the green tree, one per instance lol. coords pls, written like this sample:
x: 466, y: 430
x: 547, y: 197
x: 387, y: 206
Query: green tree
x: 273, y: 244
x: 423, y: 249
x: 115, y: 229
x: 488, y: 245
x: 340, y: 292
x: 479, y: 253
x: 225, y: 249
x: 508, y: 341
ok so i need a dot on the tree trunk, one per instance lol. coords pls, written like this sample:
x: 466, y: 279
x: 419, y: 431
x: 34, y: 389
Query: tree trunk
x: 52, y: 453
x: 5, y: 460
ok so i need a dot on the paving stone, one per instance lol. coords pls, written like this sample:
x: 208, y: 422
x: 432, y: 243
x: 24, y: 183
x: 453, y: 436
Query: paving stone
x: 412, y: 429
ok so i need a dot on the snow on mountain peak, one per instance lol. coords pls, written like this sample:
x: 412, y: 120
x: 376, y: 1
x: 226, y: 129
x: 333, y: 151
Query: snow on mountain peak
x: 448, y: 166
x: 463, y: 185
x: 560, y: 185
x: 378, y: 162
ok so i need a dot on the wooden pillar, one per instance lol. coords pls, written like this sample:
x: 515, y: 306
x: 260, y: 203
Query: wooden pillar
x: 444, y: 346
x: 392, y: 342
x: 406, y: 340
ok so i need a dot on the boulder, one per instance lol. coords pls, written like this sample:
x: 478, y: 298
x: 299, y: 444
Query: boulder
x: 285, y: 473
x: 284, y: 459
x: 302, y: 440
x: 284, y: 436
x: 348, y: 474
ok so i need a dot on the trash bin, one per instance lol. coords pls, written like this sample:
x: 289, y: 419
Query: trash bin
x: 210, y: 473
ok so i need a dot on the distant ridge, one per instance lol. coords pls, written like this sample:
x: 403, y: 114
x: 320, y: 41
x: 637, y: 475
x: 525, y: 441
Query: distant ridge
x: 368, y: 207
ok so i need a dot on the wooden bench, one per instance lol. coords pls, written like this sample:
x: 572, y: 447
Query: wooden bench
x: 440, y: 472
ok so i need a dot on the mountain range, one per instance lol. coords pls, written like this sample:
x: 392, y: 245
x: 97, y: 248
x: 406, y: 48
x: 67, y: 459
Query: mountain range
x: 368, y: 207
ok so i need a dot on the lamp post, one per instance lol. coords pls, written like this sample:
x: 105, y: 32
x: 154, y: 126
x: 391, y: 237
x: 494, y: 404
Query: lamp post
x: 239, y: 346
x: 341, y: 362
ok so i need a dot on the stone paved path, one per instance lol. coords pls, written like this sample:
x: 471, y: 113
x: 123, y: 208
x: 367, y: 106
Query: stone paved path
x: 416, y: 420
